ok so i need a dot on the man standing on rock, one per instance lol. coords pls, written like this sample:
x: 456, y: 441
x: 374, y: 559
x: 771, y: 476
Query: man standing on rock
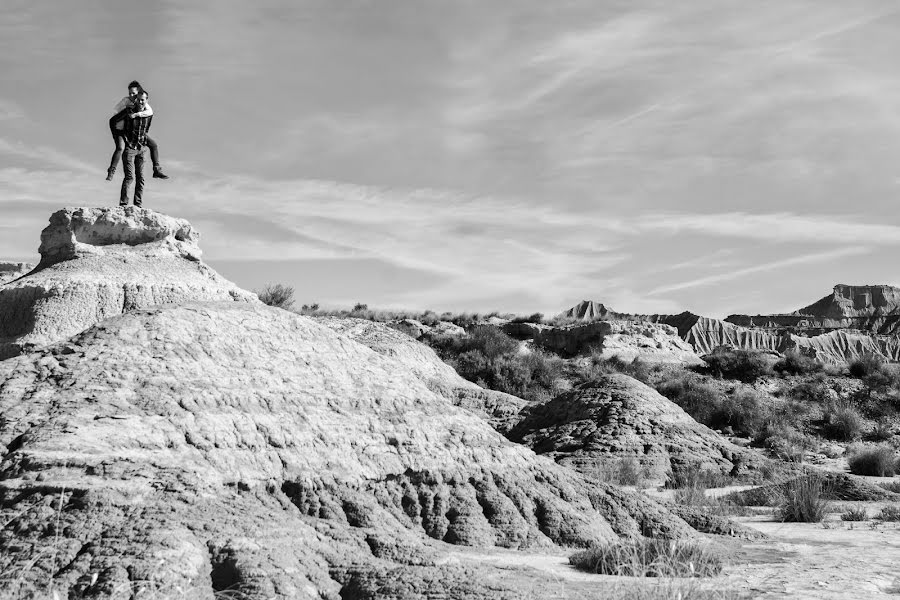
x: 136, y: 129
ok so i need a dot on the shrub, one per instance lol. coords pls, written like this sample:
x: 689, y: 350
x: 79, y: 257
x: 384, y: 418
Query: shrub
x: 803, y: 500
x: 813, y: 390
x: 532, y: 318
x: 795, y: 363
x: 697, y: 398
x: 277, y: 295
x: 883, y: 430
x: 891, y: 512
x: 866, y: 364
x: 743, y: 365
x: 854, y: 514
x: 646, y: 557
x: 880, y: 461
x: 841, y: 422
x: 360, y: 307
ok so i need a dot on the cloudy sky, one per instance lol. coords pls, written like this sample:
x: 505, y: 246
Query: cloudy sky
x: 718, y: 156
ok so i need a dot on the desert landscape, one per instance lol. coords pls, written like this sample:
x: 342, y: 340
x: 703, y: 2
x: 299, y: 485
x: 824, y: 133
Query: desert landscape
x: 166, y: 434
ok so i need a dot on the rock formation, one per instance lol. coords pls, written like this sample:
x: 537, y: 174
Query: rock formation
x: 100, y: 262
x: 234, y: 447
x: 11, y: 270
x: 653, y: 342
x: 617, y: 417
x: 588, y: 310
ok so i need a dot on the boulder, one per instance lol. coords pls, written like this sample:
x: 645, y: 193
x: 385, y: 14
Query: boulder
x: 410, y: 327
x: 235, y: 448
x: 101, y: 262
x: 616, y: 417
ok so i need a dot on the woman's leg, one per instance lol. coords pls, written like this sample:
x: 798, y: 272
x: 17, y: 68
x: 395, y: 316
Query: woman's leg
x: 154, y: 158
x: 116, y: 156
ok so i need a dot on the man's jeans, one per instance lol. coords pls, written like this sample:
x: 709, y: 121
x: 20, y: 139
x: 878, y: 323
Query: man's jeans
x: 133, y: 163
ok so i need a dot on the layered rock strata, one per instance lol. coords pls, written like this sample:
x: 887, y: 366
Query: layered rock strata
x: 215, y: 448
x: 101, y: 262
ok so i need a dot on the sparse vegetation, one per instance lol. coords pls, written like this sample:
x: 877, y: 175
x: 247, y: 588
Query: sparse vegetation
x: 647, y: 557
x: 891, y: 486
x: 865, y: 365
x: 742, y: 365
x: 855, y: 514
x: 277, y: 295
x: 803, y: 500
x: 880, y: 461
x: 795, y: 363
x: 841, y: 422
x: 490, y: 358
x: 891, y: 512
x: 596, y: 366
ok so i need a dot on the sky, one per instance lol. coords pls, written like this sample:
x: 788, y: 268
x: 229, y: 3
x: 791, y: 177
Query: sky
x: 717, y: 156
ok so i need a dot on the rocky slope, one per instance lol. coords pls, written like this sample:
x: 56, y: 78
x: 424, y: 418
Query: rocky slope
x: 213, y: 447
x: 617, y: 417
x: 100, y: 262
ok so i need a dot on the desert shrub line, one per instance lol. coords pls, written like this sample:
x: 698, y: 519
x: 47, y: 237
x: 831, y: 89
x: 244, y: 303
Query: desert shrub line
x: 646, y: 557
x: 880, y: 460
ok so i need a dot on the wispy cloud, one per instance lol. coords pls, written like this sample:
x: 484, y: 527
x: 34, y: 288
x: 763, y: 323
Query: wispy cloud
x: 771, y: 266
x: 776, y: 227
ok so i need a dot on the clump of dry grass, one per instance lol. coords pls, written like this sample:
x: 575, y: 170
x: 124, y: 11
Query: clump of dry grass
x: 891, y: 512
x: 855, y: 514
x: 880, y: 461
x: 647, y: 557
x: 803, y: 500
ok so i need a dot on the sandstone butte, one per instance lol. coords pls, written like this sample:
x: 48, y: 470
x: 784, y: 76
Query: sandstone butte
x: 841, y: 327
x: 200, y: 447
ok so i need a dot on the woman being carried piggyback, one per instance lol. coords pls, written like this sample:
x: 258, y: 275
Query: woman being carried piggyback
x: 123, y: 110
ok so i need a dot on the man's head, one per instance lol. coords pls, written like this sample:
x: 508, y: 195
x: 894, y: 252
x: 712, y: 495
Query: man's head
x: 140, y: 100
x: 134, y: 88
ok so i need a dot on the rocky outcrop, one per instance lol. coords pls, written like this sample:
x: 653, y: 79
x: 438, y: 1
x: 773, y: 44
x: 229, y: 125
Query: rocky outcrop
x: 567, y: 340
x: 617, y: 417
x: 652, y: 342
x: 10, y: 271
x: 588, y: 310
x: 100, y: 262
x: 234, y: 447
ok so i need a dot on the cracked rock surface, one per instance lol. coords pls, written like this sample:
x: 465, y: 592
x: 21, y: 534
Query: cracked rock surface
x: 226, y: 447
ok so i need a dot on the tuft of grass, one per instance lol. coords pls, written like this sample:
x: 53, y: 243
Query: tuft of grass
x: 803, y: 500
x: 891, y: 512
x: 880, y: 461
x: 277, y: 295
x: 855, y: 514
x: 647, y: 557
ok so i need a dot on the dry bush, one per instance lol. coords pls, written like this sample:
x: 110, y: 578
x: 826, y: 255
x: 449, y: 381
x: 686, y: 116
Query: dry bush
x: 841, y: 422
x: 803, y: 500
x: 865, y: 365
x: 742, y: 365
x: 647, y: 557
x: 624, y: 471
x: 795, y: 363
x: 891, y: 486
x: 880, y: 461
x: 277, y: 295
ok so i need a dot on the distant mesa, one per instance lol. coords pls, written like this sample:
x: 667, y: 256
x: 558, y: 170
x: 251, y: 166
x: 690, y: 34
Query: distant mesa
x: 846, y: 324
x: 100, y: 262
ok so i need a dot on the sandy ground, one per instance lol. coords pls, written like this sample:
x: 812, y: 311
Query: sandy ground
x: 822, y: 561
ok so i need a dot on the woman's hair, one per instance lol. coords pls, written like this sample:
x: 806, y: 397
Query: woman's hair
x: 143, y: 91
x: 134, y: 84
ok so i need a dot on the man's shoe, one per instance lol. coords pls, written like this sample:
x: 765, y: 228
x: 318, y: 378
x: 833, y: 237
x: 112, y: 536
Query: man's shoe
x: 158, y: 174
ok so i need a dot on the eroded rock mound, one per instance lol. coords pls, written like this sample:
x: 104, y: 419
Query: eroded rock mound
x: 233, y: 447
x: 100, y: 262
x: 500, y: 409
x: 617, y: 417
